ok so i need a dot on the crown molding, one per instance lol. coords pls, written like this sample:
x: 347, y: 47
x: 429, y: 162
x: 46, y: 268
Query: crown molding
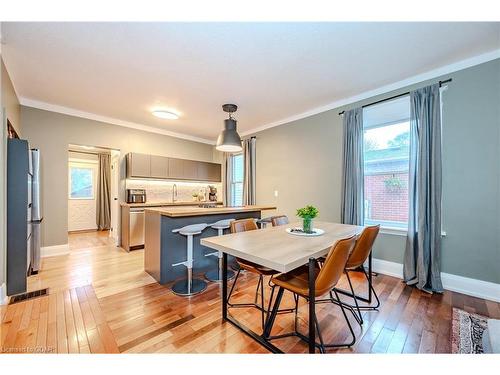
x: 109, y: 120
x: 446, y: 69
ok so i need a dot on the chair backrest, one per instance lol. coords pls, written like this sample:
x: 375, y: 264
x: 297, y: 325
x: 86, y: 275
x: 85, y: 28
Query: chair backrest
x: 363, y: 246
x: 334, y: 265
x: 279, y: 220
x: 243, y: 225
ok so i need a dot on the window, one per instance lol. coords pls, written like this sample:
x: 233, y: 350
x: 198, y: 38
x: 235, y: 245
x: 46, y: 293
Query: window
x: 81, y: 182
x: 237, y: 180
x: 386, y: 163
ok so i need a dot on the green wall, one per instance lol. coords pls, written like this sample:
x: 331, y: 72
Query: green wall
x: 303, y: 161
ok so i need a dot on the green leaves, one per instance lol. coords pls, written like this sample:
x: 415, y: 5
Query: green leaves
x: 307, y: 212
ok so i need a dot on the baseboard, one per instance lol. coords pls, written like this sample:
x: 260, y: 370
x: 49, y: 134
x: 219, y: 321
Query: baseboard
x: 51, y: 251
x: 3, y: 294
x: 388, y: 268
x: 454, y: 283
x: 471, y: 287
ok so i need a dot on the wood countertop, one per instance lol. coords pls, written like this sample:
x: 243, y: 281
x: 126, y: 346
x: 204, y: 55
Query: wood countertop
x: 199, y: 211
x: 162, y: 204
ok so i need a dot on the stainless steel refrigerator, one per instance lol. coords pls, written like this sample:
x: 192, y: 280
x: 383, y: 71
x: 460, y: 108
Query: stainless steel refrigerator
x: 36, y: 211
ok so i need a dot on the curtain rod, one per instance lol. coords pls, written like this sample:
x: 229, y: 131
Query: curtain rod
x: 441, y: 83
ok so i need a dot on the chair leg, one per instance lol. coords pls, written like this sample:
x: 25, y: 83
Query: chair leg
x: 373, y: 291
x: 232, y: 288
x: 272, y: 314
x: 256, y: 297
x: 353, y: 341
x: 359, y: 318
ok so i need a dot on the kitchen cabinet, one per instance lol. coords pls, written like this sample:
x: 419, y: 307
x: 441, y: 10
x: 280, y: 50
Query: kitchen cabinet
x: 190, y: 169
x: 209, y: 172
x: 138, y: 165
x: 175, y: 168
x: 159, y: 166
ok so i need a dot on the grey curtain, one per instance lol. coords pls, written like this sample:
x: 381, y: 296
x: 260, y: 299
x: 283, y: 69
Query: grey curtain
x: 103, y: 217
x: 227, y: 173
x: 352, y: 204
x: 422, y: 263
x: 249, y: 185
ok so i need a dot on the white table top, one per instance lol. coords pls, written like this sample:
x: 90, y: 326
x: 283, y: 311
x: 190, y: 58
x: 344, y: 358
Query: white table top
x: 274, y: 248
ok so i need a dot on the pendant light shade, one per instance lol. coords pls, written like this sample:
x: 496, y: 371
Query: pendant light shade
x: 229, y: 140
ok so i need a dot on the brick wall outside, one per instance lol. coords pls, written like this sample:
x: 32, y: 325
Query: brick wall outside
x: 385, y: 201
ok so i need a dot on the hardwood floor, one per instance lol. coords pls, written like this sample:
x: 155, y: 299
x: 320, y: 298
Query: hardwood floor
x: 101, y: 300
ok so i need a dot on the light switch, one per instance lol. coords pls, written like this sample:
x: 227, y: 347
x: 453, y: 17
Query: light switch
x: 276, y: 193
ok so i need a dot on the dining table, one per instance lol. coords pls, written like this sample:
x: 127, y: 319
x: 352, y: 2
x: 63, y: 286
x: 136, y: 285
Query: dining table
x: 281, y: 250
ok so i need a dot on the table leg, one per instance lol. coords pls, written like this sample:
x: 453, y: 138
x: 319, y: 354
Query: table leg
x: 224, y: 287
x: 312, y: 305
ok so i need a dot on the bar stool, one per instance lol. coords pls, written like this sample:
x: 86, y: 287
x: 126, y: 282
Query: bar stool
x: 216, y: 275
x: 189, y: 286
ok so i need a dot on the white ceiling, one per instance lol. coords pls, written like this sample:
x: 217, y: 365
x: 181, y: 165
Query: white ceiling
x: 271, y: 71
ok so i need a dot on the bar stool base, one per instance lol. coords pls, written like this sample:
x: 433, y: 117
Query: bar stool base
x: 214, y: 275
x: 181, y: 287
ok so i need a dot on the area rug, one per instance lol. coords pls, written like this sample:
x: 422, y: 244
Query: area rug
x: 467, y: 332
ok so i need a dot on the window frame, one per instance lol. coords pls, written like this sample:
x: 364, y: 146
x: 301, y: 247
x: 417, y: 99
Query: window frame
x: 233, y: 182
x: 92, y: 166
x: 386, y: 226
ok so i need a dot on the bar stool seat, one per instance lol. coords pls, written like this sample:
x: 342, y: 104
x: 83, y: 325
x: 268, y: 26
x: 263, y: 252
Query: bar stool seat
x: 189, y: 286
x: 216, y: 275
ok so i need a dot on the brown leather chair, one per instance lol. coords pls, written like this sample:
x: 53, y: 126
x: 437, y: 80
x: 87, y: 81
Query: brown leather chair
x: 244, y: 225
x: 358, y: 257
x: 326, y: 279
x: 279, y: 220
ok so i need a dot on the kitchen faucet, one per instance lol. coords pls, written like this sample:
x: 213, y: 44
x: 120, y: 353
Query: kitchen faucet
x: 174, y: 193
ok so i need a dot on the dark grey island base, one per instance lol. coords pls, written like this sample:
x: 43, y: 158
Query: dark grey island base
x: 163, y: 248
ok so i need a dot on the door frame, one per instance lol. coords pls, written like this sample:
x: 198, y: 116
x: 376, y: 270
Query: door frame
x: 114, y: 196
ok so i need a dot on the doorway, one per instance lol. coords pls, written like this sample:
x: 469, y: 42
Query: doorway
x: 93, y: 190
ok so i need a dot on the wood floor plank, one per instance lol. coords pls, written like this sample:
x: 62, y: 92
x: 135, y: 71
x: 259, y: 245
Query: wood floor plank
x: 62, y: 339
x: 71, y: 333
x: 81, y: 334
x: 52, y: 324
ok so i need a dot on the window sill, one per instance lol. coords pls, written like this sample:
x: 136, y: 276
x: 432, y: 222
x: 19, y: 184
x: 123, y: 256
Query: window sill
x: 394, y: 231
x: 400, y: 231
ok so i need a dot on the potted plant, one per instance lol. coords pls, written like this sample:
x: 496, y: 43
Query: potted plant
x: 195, y: 196
x: 307, y: 213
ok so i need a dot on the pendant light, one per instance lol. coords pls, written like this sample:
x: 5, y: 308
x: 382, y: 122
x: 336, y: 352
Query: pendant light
x: 229, y: 140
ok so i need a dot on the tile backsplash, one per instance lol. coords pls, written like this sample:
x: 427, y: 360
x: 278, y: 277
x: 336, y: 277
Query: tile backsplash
x: 161, y: 191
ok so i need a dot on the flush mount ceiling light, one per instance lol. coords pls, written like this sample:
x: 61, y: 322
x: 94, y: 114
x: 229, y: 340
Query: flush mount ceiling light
x: 167, y: 115
x: 229, y: 140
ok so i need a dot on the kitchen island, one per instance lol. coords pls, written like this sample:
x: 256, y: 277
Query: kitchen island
x: 162, y: 248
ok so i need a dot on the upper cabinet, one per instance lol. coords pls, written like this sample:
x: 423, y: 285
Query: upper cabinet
x: 175, y: 168
x: 153, y: 166
x: 138, y: 165
x: 209, y: 171
x: 159, y: 166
